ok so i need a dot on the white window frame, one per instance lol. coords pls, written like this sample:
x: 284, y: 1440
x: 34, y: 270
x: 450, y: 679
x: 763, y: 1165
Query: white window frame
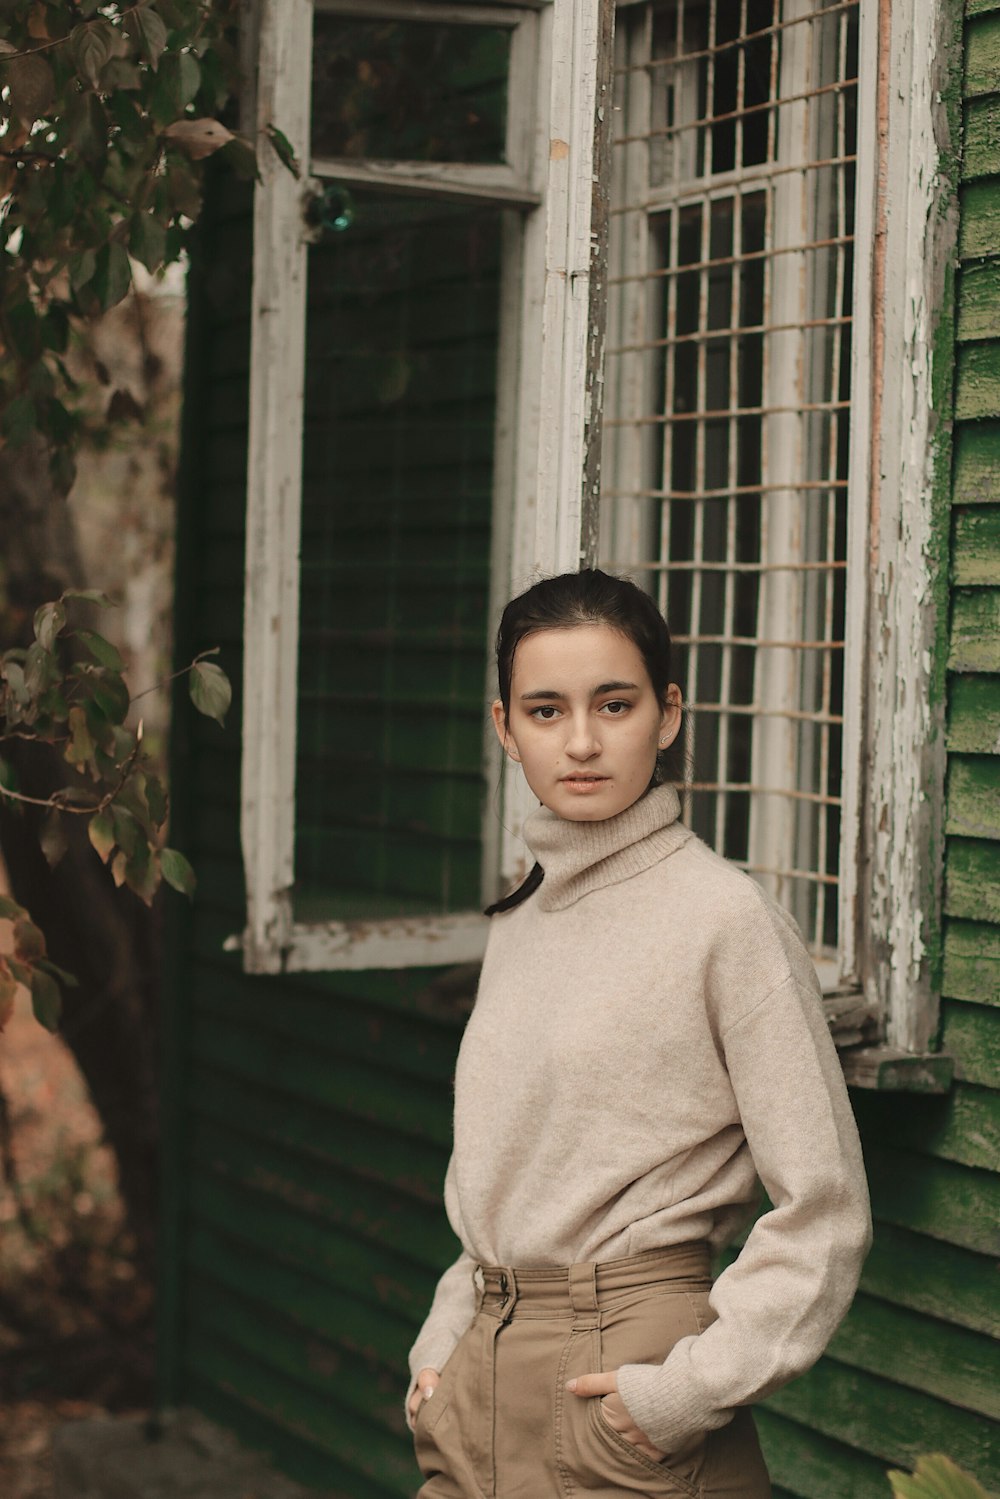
x: 892, y: 813
x: 893, y: 734
x: 547, y: 424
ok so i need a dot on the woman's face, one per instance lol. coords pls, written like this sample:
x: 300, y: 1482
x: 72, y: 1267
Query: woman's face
x: 585, y: 723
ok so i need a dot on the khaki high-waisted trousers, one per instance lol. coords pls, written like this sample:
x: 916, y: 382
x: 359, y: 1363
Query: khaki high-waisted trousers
x: 501, y: 1425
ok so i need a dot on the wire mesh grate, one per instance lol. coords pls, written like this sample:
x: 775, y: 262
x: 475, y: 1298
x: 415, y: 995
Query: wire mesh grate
x: 728, y: 403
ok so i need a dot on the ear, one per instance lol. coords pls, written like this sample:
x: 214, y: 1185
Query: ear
x: 670, y: 718
x: 500, y: 724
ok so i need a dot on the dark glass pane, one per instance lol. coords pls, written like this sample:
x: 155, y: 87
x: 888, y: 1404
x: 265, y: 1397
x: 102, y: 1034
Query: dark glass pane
x: 409, y: 90
x: 399, y: 410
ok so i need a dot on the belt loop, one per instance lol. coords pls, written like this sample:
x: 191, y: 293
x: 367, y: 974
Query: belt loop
x: 583, y: 1289
x: 508, y: 1286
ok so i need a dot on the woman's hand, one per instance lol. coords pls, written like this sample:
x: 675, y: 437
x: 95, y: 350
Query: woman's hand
x: 427, y: 1382
x: 613, y: 1409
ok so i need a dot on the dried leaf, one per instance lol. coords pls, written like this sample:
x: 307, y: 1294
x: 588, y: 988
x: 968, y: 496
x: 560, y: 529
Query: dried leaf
x: 198, y: 138
x: 101, y: 832
x: 32, y: 87
x: 52, y: 838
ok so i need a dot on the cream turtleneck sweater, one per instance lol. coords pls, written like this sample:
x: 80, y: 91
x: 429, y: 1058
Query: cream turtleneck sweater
x: 647, y: 1040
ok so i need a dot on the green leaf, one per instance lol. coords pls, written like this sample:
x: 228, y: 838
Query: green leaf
x: 40, y: 669
x: 156, y: 800
x: 102, y: 650
x: 80, y: 749
x: 90, y: 596
x: 110, y: 694
x: 29, y: 944
x: 49, y: 620
x: 210, y: 690
x: 183, y: 191
x: 32, y: 87
x: 147, y: 241
x: 113, y: 276
x: 92, y: 45
x: 52, y: 838
x: 46, y: 999
x: 10, y: 910
x: 128, y: 834
x: 142, y: 874
x: 69, y: 979
x: 935, y: 1477
x: 152, y: 34
x: 241, y: 158
x: 82, y: 268
x: 118, y: 73
x: 14, y: 677
x: 101, y: 832
x: 189, y: 78
x: 177, y: 871
x: 284, y: 148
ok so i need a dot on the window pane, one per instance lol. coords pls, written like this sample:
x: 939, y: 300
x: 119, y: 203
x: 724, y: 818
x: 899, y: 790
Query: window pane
x: 728, y: 420
x: 409, y: 90
x: 399, y: 410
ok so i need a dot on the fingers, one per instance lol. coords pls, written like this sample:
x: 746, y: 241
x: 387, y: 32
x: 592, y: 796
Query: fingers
x: 427, y: 1382
x: 588, y: 1385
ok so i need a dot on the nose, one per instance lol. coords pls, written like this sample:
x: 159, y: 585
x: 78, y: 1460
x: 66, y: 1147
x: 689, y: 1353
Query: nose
x: 582, y: 743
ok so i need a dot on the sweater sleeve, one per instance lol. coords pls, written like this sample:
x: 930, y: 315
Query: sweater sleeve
x: 452, y: 1309
x: 780, y: 1301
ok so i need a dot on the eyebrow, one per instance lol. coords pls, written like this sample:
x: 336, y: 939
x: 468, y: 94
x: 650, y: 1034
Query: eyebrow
x: 547, y: 692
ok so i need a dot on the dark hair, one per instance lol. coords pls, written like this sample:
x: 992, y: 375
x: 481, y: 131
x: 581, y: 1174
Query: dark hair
x: 589, y: 597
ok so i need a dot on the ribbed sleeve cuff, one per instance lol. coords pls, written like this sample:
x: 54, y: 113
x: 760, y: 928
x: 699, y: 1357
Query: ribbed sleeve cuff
x: 666, y: 1402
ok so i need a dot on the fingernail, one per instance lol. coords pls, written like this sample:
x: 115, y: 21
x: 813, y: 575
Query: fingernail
x: 571, y: 1384
x: 428, y: 1392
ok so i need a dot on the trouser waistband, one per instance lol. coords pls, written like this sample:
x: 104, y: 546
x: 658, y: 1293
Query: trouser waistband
x: 582, y: 1288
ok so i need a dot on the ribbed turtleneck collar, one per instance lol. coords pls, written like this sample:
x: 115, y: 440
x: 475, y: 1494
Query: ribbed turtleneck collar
x: 578, y: 857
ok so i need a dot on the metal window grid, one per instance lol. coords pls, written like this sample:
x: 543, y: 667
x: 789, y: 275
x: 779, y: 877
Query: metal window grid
x: 728, y: 396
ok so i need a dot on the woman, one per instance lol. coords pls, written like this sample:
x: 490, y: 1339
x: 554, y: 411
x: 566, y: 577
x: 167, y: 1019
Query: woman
x: 647, y: 1040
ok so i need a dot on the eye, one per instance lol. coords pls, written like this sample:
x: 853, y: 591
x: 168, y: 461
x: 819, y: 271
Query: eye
x: 616, y: 708
x: 545, y: 713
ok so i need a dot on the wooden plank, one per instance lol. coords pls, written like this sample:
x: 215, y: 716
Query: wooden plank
x: 411, y: 1167
x: 325, y: 1245
x: 302, y: 1070
x: 956, y: 1203
x: 972, y: 961
x: 355, y: 1446
x: 977, y: 381
x: 972, y: 880
x: 962, y: 1126
x: 975, y: 630
x: 973, y: 796
x: 982, y: 55
x: 813, y: 1466
x: 978, y: 302
x: 889, y: 1421
x: 979, y: 221
x: 976, y: 546
x: 950, y: 1362
x: 888, y: 1069
x: 313, y: 1304
x: 976, y: 472
x: 981, y: 154
x: 972, y: 1034
x: 974, y: 714
x: 294, y: 1452
x: 939, y: 1280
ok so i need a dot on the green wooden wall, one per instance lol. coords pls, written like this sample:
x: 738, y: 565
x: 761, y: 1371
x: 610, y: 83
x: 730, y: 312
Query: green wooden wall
x: 916, y: 1366
x: 307, y: 1119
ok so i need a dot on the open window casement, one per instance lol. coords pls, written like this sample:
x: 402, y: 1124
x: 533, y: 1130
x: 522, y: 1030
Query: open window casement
x: 768, y: 451
x: 423, y: 441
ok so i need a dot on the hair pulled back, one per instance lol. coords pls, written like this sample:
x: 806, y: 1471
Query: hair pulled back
x: 589, y: 597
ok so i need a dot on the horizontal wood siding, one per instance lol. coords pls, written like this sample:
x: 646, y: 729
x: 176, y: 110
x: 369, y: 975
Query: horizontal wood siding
x: 916, y: 1365
x: 310, y: 1116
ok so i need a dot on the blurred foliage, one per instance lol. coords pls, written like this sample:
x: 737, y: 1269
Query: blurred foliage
x: 67, y: 690
x: 107, y: 111
x: 935, y: 1477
